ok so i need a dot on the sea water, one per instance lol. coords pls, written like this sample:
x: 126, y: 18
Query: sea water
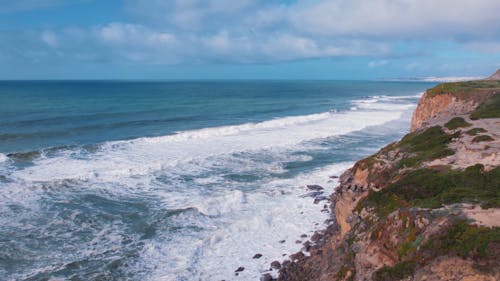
x: 188, y: 180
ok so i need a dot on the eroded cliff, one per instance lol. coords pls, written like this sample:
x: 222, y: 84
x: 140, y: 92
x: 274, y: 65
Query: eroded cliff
x: 424, y: 208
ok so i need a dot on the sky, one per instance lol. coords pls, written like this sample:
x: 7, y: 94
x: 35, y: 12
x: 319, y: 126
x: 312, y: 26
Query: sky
x: 248, y: 39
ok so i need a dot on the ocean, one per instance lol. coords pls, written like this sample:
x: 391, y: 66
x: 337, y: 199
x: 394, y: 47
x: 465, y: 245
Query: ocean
x: 187, y: 180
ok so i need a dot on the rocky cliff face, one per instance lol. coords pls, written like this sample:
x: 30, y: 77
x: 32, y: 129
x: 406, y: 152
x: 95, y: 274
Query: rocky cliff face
x: 495, y: 76
x: 432, y: 108
x: 424, y: 208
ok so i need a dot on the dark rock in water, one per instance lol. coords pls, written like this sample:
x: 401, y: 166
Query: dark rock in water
x: 313, y: 194
x: 297, y: 256
x: 303, y: 236
x: 266, y: 277
x: 334, y: 177
x: 319, y: 199
x: 316, y: 236
x: 307, y: 246
x: 276, y: 265
x: 257, y: 256
x: 282, y: 241
x: 24, y: 156
x: 315, y: 187
x: 240, y: 269
x: 286, y: 263
x: 298, y: 241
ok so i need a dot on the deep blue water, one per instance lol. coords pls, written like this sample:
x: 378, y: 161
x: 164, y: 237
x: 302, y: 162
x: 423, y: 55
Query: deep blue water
x: 103, y: 180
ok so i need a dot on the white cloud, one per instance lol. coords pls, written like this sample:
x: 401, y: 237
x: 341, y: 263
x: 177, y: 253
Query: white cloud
x: 133, y: 34
x: 267, y: 31
x: 377, y: 63
x: 49, y: 38
x: 397, y: 18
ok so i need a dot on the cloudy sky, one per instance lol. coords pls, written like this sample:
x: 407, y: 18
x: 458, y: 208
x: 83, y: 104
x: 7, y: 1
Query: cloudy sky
x: 248, y: 39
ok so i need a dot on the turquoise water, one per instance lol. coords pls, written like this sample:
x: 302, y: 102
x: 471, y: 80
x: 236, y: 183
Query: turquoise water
x: 177, y: 180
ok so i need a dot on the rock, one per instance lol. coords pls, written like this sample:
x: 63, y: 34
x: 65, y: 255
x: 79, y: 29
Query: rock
x: 319, y: 199
x: 303, y: 236
x: 495, y: 76
x: 240, y: 269
x: 315, y: 187
x: 257, y: 256
x: 266, y: 277
x: 298, y: 241
x: 297, y: 256
x: 334, y: 177
x: 275, y: 265
x: 316, y: 236
x: 282, y: 241
x: 307, y: 246
x: 313, y: 194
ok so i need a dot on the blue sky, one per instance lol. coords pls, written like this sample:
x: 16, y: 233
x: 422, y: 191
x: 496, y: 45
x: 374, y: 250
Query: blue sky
x: 248, y: 39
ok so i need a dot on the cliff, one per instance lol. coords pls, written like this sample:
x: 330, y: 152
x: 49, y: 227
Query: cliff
x: 495, y: 76
x: 424, y: 208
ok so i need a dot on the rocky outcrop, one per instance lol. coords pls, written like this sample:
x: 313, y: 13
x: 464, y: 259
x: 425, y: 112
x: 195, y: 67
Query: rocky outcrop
x: 450, y: 99
x: 495, y: 76
x: 423, y: 208
x: 430, y: 109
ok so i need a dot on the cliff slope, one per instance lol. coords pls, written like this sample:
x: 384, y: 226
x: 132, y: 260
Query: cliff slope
x: 424, y: 208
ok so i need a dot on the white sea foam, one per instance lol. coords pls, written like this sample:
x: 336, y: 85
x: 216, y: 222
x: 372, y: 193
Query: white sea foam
x: 3, y: 158
x: 254, y: 222
x: 223, y: 221
x: 144, y: 156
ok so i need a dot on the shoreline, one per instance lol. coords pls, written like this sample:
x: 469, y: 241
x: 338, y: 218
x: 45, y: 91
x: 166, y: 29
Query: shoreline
x: 383, y: 228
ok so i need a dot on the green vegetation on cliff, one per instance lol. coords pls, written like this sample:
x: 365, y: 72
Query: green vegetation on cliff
x: 463, y: 89
x: 464, y: 240
x: 488, y: 109
x: 482, y: 138
x: 459, y: 239
x: 430, y: 188
x: 396, y: 272
x: 457, y: 122
x: 475, y: 131
x: 425, y: 146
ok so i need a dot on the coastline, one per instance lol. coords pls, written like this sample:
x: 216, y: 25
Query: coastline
x: 452, y: 136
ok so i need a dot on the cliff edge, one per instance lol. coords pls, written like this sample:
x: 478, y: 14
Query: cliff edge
x: 424, y: 208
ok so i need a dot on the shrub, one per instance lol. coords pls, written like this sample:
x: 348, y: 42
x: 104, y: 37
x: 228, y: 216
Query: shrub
x: 425, y: 146
x: 464, y: 240
x: 429, y: 188
x: 475, y: 131
x: 457, y: 122
x: 396, y: 272
x: 488, y: 109
x: 481, y: 138
x: 462, y: 89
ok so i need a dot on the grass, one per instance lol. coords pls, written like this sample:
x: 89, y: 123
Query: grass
x: 482, y: 138
x: 475, y: 131
x: 396, y: 272
x: 458, y: 239
x: 464, y: 240
x: 457, y: 122
x: 462, y: 89
x: 488, y: 109
x: 425, y: 146
x: 429, y: 188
